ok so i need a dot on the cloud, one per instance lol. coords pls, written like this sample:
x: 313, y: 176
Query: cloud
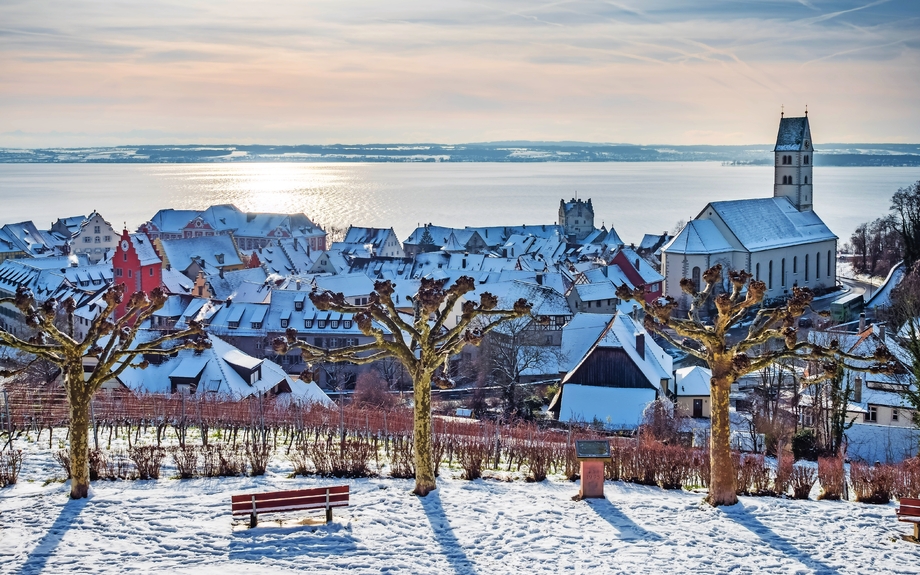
x: 651, y: 71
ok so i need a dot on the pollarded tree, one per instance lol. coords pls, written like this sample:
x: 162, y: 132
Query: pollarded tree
x: 109, y: 342
x: 729, y: 361
x: 422, y: 343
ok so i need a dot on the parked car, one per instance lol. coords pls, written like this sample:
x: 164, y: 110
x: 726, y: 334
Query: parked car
x: 806, y: 322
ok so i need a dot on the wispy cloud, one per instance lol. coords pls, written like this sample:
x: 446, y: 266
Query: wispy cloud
x: 292, y: 72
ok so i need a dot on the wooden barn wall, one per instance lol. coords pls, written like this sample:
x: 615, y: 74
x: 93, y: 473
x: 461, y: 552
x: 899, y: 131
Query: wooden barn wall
x: 610, y: 368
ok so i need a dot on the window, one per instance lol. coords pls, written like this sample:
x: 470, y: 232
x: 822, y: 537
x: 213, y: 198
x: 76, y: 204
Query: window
x: 257, y: 325
x: 782, y: 272
x: 96, y: 229
x: 695, y: 276
x: 351, y: 341
x: 806, y: 267
x: 284, y: 322
x: 333, y: 342
x: 118, y: 272
x: 233, y: 324
x: 87, y: 240
x: 107, y: 238
x: 757, y: 272
x: 318, y: 342
x: 298, y: 305
x: 894, y: 415
x: 98, y: 240
x: 321, y: 324
x: 818, y: 265
x: 806, y: 162
x: 806, y: 180
x: 125, y: 256
x: 151, y: 272
x: 872, y: 414
x: 308, y: 323
x: 346, y: 324
x: 334, y: 324
x: 770, y: 275
x: 795, y: 264
x: 828, y: 263
x: 129, y: 273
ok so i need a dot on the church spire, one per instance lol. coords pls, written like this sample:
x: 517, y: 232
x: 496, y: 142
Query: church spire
x: 793, y: 161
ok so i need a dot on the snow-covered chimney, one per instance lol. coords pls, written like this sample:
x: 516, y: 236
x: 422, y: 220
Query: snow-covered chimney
x: 862, y: 322
x: 640, y: 345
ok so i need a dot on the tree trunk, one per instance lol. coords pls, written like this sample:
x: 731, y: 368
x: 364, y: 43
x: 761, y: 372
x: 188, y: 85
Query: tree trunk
x: 722, y: 489
x: 79, y: 439
x: 424, y: 468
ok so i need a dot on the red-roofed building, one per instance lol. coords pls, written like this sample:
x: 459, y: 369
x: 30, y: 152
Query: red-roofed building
x: 137, y: 265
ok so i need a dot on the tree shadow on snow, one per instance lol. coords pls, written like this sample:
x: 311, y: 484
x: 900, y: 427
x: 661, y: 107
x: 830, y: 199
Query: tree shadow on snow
x: 627, y: 529
x: 743, y: 517
x: 48, y: 544
x: 279, y: 542
x: 444, y: 535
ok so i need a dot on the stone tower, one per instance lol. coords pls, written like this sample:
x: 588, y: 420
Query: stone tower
x: 793, y: 160
x: 576, y: 218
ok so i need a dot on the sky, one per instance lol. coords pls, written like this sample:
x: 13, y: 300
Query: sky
x: 93, y: 73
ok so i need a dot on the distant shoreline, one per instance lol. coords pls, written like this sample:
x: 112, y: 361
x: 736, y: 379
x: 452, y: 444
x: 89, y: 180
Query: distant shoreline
x: 856, y: 155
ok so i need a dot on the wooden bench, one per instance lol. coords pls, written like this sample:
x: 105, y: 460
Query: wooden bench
x: 910, y: 511
x: 279, y: 501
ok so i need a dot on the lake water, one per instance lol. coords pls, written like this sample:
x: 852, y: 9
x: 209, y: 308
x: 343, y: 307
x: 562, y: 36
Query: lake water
x: 635, y: 198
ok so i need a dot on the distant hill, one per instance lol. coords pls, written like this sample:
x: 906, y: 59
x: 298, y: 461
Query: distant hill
x: 512, y: 151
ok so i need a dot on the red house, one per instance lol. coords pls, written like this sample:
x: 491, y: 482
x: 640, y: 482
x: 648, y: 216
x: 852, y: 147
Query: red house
x: 137, y: 265
x: 639, y: 272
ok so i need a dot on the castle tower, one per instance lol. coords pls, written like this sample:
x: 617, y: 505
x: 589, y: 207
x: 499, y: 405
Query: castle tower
x: 576, y: 218
x: 793, y: 161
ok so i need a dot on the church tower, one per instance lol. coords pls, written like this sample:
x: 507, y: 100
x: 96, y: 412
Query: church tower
x: 793, y: 160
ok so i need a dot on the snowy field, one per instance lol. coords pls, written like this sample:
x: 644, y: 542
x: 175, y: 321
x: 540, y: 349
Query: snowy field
x: 480, y: 527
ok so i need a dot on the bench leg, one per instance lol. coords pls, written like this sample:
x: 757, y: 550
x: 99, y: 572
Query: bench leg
x: 254, y: 516
x: 917, y: 531
x: 329, y: 515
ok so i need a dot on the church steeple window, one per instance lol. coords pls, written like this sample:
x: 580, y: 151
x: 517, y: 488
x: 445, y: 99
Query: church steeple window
x: 806, y: 159
x: 806, y: 180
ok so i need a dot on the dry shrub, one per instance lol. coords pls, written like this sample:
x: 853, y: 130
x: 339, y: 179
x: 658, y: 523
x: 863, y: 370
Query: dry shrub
x: 10, y: 466
x: 97, y: 464
x: 119, y: 465
x: 660, y: 422
x: 210, y: 461
x: 62, y: 458
x: 832, y: 477
x: 186, y: 460
x: 402, y: 457
x: 147, y: 459
x: 674, y: 467
x: 908, y: 478
x: 539, y: 455
x: 872, y: 484
x: 702, y: 467
x: 299, y: 458
x: 371, y: 391
x: 472, y: 452
x: 258, y: 454
x: 353, y: 457
x: 784, y: 468
x: 802, y: 480
x: 752, y: 475
x: 231, y: 461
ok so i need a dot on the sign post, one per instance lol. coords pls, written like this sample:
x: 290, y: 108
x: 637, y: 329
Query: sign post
x: 592, y: 455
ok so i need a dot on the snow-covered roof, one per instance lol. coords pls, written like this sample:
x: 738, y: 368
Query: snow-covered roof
x: 377, y: 237
x: 214, y: 251
x: 579, y: 335
x: 645, y: 270
x: 172, y: 221
x: 613, y: 407
x: 596, y: 291
x: 693, y: 380
x: 144, y: 249
x: 176, y: 282
x: 766, y: 223
x: 698, y: 237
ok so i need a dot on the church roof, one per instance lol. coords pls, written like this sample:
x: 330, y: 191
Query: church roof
x: 792, y: 134
x: 698, y: 237
x: 767, y: 223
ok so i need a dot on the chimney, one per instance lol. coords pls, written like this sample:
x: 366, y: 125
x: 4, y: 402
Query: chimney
x: 881, y: 332
x: 640, y: 345
x: 857, y: 390
x: 862, y: 322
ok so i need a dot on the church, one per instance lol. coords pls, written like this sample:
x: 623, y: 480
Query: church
x: 780, y: 240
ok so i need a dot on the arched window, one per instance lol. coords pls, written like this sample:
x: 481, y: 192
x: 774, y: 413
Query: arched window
x: 757, y: 272
x: 795, y: 264
x: 818, y: 265
x: 696, y: 278
x: 770, y: 275
x: 806, y: 267
x: 806, y: 159
x: 828, y: 263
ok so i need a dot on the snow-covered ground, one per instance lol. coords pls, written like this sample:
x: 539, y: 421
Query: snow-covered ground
x: 478, y: 527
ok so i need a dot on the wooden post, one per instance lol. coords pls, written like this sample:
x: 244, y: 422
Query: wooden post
x: 328, y: 508
x: 254, y: 516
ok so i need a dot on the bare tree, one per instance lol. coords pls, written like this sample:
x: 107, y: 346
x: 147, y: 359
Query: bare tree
x: 728, y: 361
x: 110, y: 342
x: 423, y: 344
x: 905, y: 206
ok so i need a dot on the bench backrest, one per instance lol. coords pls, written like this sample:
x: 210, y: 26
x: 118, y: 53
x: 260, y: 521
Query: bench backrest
x: 909, y: 506
x: 315, y: 498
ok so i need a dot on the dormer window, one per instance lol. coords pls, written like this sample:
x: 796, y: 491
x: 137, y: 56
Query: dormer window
x: 346, y: 324
x: 308, y: 323
x: 321, y: 324
x: 284, y: 323
x: 233, y: 324
x: 334, y: 324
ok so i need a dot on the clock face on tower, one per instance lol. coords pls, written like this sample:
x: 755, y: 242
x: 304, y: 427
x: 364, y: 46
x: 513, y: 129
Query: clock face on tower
x: 124, y: 245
